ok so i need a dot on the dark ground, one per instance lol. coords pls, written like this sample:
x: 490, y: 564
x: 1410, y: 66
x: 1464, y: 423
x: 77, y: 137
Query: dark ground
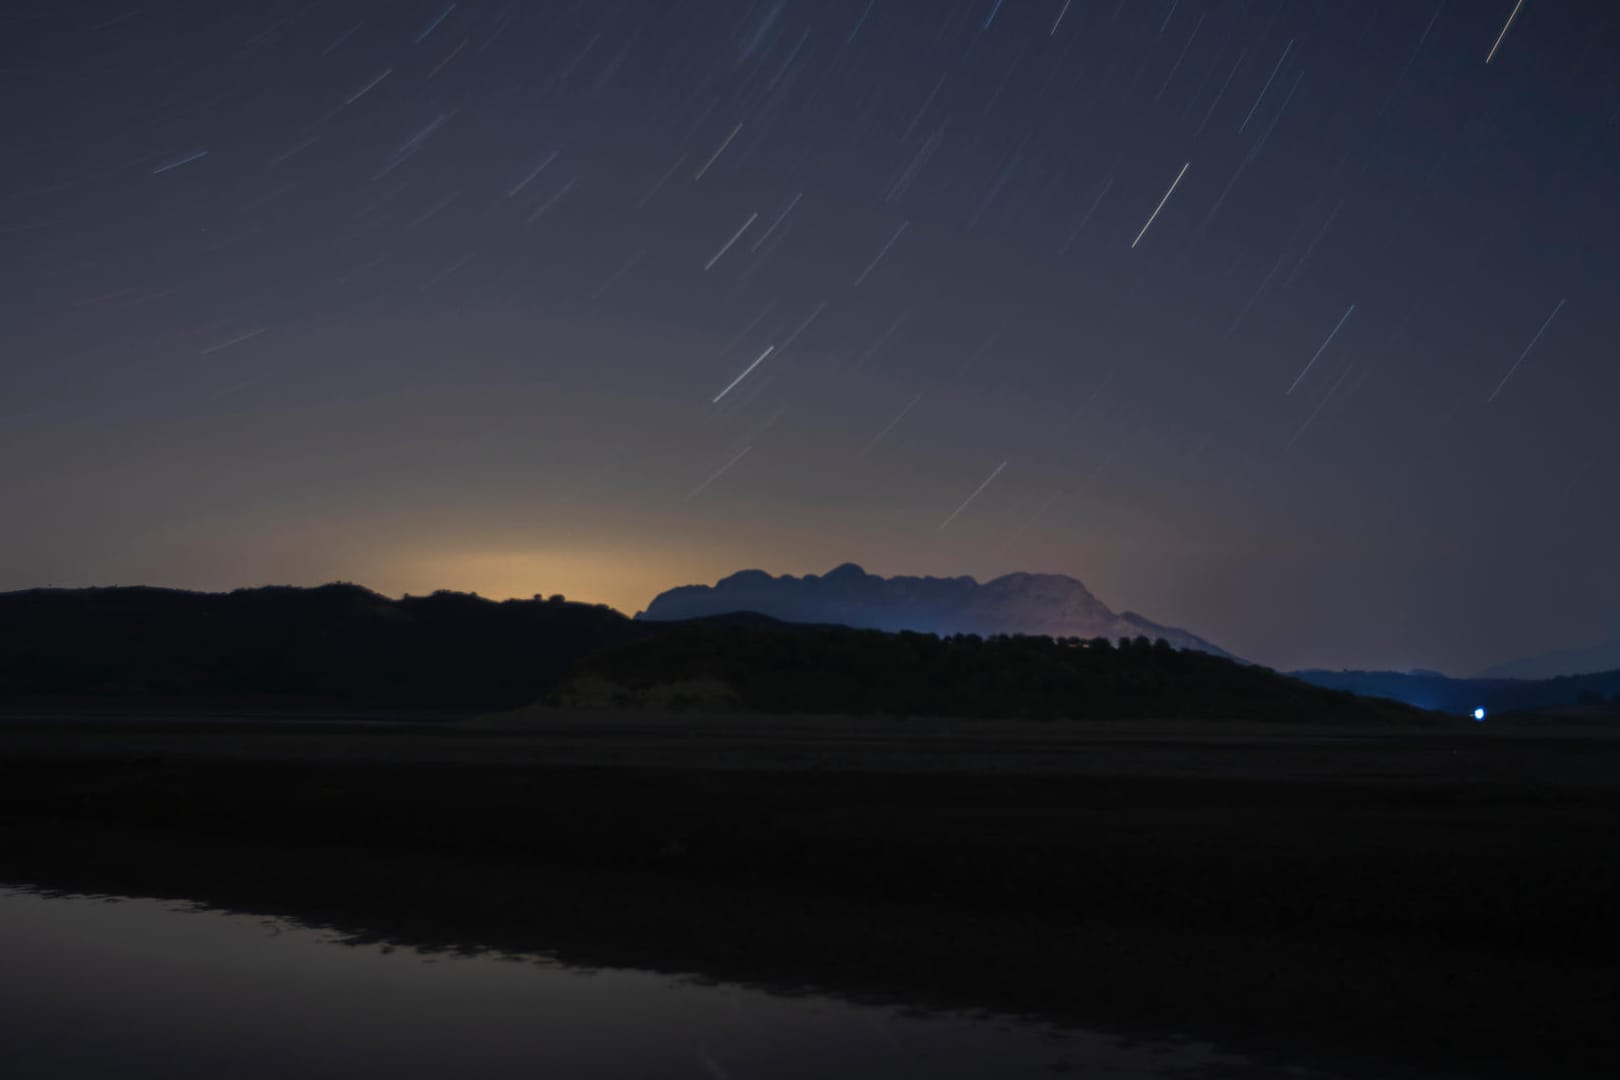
x: 1382, y: 904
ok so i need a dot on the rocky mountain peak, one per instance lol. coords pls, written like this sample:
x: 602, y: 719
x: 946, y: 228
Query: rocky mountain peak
x: 1018, y: 603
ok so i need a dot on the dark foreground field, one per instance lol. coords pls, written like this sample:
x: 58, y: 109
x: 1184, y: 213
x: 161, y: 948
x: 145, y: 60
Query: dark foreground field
x: 1378, y: 904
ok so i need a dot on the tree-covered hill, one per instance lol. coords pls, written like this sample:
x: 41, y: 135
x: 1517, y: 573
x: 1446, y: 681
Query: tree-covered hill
x: 337, y: 647
x: 756, y: 665
x: 343, y: 647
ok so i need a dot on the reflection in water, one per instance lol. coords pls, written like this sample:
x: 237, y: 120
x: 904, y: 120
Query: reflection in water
x: 136, y: 988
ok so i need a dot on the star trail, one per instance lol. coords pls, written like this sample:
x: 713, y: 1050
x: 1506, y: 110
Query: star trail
x: 603, y: 297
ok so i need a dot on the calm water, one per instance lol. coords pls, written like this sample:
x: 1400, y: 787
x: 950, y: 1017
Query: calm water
x: 137, y: 988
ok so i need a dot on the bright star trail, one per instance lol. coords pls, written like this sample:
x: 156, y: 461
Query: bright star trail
x: 725, y: 247
x: 1062, y: 11
x: 1497, y: 44
x: 368, y: 87
x: 717, y: 152
x: 177, y: 162
x: 1162, y: 201
x: 732, y: 385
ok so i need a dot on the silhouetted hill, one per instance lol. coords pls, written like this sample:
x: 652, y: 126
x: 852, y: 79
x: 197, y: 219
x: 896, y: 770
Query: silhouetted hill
x: 1459, y: 697
x: 343, y: 647
x: 337, y: 646
x: 848, y: 596
x: 799, y: 669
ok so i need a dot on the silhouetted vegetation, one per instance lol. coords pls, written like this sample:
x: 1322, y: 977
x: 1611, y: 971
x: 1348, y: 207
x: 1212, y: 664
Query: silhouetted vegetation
x: 777, y: 668
x: 344, y: 647
x: 338, y: 646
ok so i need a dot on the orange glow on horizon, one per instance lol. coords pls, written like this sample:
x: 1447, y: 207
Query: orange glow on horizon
x: 623, y: 580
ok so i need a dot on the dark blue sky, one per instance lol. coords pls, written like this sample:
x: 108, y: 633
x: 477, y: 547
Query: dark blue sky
x: 429, y: 294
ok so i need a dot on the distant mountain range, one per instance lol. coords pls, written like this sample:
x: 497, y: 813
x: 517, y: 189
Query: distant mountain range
x: 1459, y: 697
x: 1059, y: 606
x: 1050, y: 604
x: 1555, y: 680
x: 1604, y: 657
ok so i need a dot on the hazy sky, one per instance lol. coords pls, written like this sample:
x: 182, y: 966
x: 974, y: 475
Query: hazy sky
x: 1289, y: 322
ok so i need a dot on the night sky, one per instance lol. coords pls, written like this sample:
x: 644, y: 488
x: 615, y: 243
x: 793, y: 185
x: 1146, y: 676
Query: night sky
x: 1289, y: 322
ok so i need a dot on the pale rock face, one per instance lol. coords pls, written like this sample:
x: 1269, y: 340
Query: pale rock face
x: 849, y: 596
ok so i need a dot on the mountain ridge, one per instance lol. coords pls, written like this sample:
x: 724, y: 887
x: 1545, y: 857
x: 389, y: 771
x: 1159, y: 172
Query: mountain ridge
x: 1582, y: 660
x: 1017, y: 603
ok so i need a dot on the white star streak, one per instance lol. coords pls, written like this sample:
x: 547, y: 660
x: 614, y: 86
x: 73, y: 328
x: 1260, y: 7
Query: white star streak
x: 716, y: 155
x: 1064, y: 10
x: 791, y: 338
x: 1162, y: 201
x: 733, y: 384
x: 661, y: 180
x: 1320, y: 406
x: 725, y: 247
x: 285, y: 154
x: 434, y: 25
x: 1107, y: 183
x: 549, y: 203
x: 177, y: 162
x: 1221, y: 93
x: 745, y: 331
x: 366, y: 89
x: 1526, y: 352
x: 860, y: 22
x: 534, y: 172
x: 453, y: 54
x: 779, y: 219
x: 1513, y: 15
x: 237, y: 340
x: 1177, y: 65
x: 1320, y: 350
x: 873, y: 264
x: 891, y: 425
x: 976, y: 493
x: 718, y: 473
x: 1266, y: 87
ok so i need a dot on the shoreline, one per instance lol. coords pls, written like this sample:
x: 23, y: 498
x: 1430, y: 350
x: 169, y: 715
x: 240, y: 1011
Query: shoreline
x: 1441, y: 912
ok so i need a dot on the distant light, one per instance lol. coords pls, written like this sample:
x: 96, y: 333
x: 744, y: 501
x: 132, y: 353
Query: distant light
x: 1479, y: 714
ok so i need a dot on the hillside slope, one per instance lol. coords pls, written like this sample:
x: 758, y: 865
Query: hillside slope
x: 336, y: 646
x: 754, y: 666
